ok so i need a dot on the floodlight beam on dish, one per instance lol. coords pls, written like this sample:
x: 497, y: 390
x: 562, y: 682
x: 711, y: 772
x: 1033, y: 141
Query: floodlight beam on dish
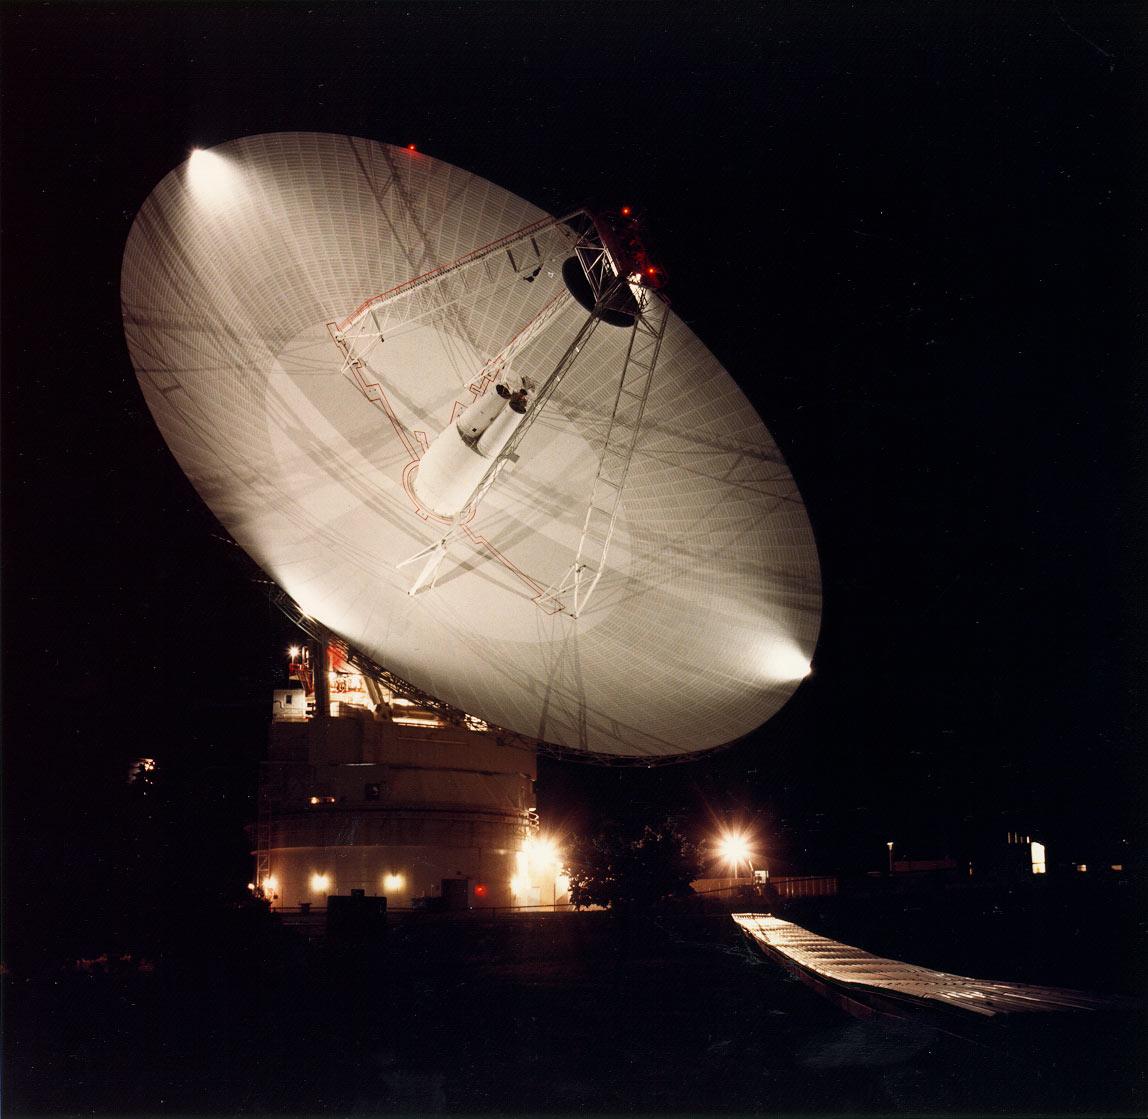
x: 214, y: 180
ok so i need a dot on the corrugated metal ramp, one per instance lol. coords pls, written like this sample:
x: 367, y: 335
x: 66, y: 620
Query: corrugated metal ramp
x: 855, y: 970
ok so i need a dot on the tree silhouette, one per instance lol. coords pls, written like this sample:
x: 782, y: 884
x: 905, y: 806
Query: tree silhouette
x: 621, y: 869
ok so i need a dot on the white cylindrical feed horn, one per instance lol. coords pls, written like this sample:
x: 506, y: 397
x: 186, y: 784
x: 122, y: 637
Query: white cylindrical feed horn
x: 496, y: 435
x: 479, y: 415
x: 455, y: 462
x: 448, y: 473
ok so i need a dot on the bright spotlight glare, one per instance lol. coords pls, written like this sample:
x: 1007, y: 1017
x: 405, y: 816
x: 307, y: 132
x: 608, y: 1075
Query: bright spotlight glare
x: 213, y: 179
x: 785, y: 662
x: 393, y: 883
x: 320, y: 883
x: 539, y: 856
x: 734, y: 848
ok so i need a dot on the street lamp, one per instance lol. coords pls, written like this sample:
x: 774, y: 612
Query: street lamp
x: 889, y: 844
x: 734, y: 848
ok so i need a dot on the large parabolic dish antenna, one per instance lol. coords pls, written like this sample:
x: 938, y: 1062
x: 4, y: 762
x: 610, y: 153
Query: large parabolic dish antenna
x: 307, y: 313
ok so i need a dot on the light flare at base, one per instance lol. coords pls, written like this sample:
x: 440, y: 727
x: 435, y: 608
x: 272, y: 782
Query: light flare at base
x: 538, y: 879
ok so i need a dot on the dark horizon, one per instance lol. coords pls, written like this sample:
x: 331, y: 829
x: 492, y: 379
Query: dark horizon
x: 911, y: 238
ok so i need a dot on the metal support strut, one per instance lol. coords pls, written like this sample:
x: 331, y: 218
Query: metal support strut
x: 617, y: 454
x: 436, y: 552
x: 615, y: 287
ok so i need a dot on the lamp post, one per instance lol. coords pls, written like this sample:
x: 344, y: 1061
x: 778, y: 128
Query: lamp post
x: 890, y: 846
x: 735, y: 848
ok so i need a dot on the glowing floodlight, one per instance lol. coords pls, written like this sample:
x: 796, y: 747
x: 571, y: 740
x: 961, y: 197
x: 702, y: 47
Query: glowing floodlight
x: 213, y: 179
x: 785, y: 663
x: 320, y: 883
x: 539, y: 854
x: 546, y: 851
x: 392, y: 883
x: 735, y: 848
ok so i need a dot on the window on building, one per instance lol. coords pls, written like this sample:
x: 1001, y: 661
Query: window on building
x: 372, y: 791
x: 1039, y: 861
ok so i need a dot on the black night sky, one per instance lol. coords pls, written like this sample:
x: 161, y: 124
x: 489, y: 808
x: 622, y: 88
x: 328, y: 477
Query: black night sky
x: 912, y: 233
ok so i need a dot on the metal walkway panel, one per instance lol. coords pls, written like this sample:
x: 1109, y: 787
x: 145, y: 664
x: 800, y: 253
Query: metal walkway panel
x: 853, y: 967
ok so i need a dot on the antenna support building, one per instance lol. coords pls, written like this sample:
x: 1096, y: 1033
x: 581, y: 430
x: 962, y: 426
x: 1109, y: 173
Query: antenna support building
x: 365, y: 790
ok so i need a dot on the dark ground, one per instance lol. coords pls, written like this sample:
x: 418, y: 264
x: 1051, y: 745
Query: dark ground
x: 567, y: 1013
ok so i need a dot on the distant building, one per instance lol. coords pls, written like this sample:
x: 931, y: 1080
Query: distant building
x: 1015, y: 855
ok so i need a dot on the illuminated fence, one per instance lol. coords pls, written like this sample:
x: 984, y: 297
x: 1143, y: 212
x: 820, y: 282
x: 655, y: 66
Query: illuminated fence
x: 810, y: 886
x: 785, y: 886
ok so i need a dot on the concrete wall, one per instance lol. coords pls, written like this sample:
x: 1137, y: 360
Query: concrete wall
x: 397, y: 872
x: 352, y: 800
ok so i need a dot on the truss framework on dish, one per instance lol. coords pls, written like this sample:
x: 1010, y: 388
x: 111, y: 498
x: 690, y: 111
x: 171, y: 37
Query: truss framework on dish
x: 370, y: 366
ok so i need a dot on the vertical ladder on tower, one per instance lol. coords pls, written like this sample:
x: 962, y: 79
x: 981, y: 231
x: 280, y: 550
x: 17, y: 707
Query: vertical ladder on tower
x: 271, y: 790
x: 617, y: 454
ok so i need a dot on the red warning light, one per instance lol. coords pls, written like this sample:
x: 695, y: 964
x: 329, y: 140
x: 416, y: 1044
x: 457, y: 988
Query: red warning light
x: 411, y: 148
x: 651, y: 271
x: 626, y: 211
x: 480, y: 889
